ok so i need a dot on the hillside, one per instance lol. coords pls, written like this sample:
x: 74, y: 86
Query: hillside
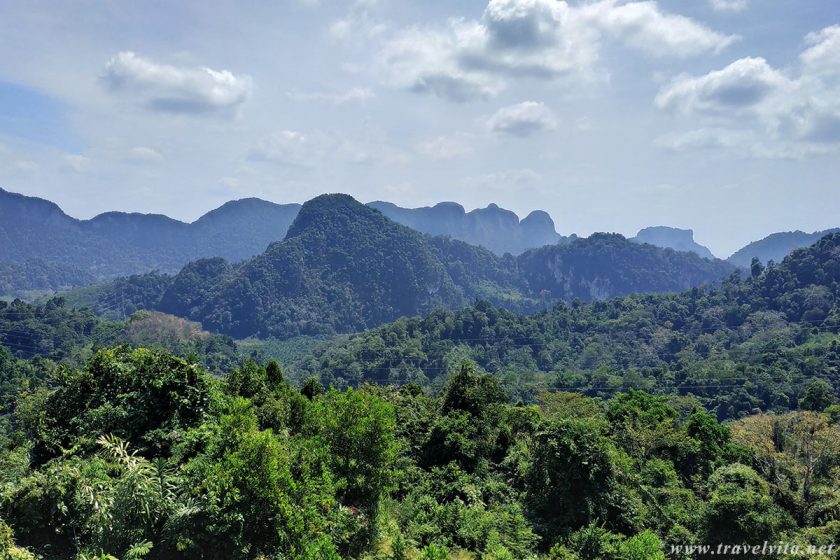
x: 776, y: 246
x: 748, y: 344
x: 608, y: 265
x: 344, y: 267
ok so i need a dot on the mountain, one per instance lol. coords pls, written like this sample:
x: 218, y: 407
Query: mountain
x: 494, y: 228
x: 749, y: 344
x: 33, y: 230
x: 776, y: 246
x: 606, y: 265
x: 672, y: 238
x: 344, y: 267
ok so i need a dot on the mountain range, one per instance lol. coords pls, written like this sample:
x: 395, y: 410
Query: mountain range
x: 117, y: 243
x: 344, y: 267
x: 44, y: 249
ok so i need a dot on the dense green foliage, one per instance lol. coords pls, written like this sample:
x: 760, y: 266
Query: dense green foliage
x: 34, y: 276
x: 642, y: 423
x: 52, y: 330
x: 55, y: 332
x: 607, y: 265
x: 141, y: 454
x: 122, y: 297
x: 749, y: 344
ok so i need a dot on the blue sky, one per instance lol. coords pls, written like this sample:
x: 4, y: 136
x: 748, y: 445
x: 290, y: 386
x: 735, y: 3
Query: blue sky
x: 718, y: 115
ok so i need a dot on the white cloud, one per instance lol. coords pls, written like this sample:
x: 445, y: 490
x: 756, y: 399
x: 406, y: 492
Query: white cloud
x: 822, y: 58
x: 540, y: 39
x: 445, y: 147
x: 523, y: 119
x: 728, y: 5
x: 176, y: 89
x: 644, y: 26
x: 352, y: 95
x: 794, y: 112
x: 359, y: 25
x: 742, y: 85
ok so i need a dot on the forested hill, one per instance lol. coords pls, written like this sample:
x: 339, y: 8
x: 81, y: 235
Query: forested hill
x: 46, y: 246
x: 607, y: 265
x: 344, y: 267
x: 748, y: 344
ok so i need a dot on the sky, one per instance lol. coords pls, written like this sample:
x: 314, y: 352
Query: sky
x: 718, y: 115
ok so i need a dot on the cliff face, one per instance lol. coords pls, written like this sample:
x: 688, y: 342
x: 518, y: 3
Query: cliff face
x: 672, y: 238
x: 493, y: 228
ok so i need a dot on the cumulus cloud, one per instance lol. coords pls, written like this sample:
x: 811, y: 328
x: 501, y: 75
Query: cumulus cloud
x: 793, y: 112
x: 540, y: 39
x: 644, y: 26
x: 176, y: 89
x: 822, y: 58
x: 523, y: 119
x: 798, y: 109
x: 728, y: 5
x: 742, y: 85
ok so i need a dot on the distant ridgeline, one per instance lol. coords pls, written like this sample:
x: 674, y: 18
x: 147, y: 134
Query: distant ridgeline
x: 344, y: 267
x: 41, y: 247
x: 43, y: 250
x: 775, y: 247
x: 673, y: 238
x: 494, y: 228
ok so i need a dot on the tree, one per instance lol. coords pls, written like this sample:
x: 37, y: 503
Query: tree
x: 713, y: 440
x: 796, y: 453
x: 741, y: 509
x: 358, y: 427
x: 818, y: 396
x: 252, y: 493
x: 756, y: 268
x: 570, y: 473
